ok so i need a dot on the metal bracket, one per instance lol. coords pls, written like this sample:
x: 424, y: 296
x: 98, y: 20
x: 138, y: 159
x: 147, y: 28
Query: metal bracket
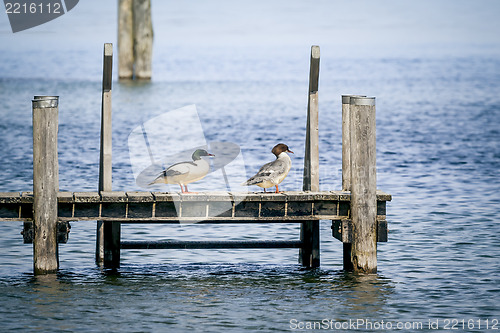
x: 342, y: 230
x: 63, y: 229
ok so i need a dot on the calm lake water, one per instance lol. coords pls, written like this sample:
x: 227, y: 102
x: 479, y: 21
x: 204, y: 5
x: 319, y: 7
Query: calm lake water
x: 438, y: 154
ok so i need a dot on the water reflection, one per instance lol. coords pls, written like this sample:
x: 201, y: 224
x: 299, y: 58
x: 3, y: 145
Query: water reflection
x: 365, y: 293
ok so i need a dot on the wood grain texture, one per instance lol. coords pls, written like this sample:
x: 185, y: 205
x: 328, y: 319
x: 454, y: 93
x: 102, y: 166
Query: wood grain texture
x: 143, y: 39
x: 125, y: 40
x: 309, y: 254
x: 45, y: 188
x: 363, y: 184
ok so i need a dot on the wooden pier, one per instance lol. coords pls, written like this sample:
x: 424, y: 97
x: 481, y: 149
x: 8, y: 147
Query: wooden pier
x: 357, y: 213
x: 176, y: 208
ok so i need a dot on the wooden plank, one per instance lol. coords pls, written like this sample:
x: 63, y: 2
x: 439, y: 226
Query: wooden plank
x: 309, y: 254
x: 27, y: 200
x: 66, y: 197
x: 140, y: 197
x: 45, y: 185
x: 220, y: 204
x: 108, y: 233
x: 311, y: 156
x: 343, y: 230
x: 382, y: 231
x: 217, y: 219
x: 172, y: 244
x: 165, y: 196
x: 87, y: 197
x: 194, y: 206
x: 92, y: 196
x: 105, y: 178
x: 140, y: 204
x: 10, y: 203
x: 346, y: 144
x: 382, y: 196
x: 10, y: 197
x: 289, y: 205
x: 112, y: 204
x: 363, y: 184
x: 113, y: 196
x: 314, y: 69
x: 65, y: 204
x: 255, y: 196
x: 86, y: 204
x: 27, y: 197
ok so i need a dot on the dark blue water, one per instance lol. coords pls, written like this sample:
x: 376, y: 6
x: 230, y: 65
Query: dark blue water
x: 438, y: 154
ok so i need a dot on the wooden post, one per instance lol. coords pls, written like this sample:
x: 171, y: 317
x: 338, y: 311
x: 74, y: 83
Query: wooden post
x: 108, y: 233
x: 346, y: 166
x: 125, y: 40
x: 143, y: 39
x: 346, y: 142
x: 309, y: 254
x: 135, y: 39
x: 363, y: 184
x: 45, y: 184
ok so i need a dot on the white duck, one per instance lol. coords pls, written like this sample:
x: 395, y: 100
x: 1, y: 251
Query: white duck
x: 183, y: 173
x: 272, y: 173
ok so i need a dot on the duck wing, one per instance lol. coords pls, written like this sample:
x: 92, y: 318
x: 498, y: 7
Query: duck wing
x: 176, y: 169
x: 268, y: 171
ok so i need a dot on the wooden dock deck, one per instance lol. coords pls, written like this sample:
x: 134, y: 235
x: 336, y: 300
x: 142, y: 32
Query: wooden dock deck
x: 204, y: 207
x: 358, y: 212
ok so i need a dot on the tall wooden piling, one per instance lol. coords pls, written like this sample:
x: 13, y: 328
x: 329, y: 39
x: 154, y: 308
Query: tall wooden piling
x: 363, y: 184
x: 108, y: 233
x: 346, y: 165
x: 45, y: 184
x: 309, y: 254
x: 346, y: 142
x: 125, y: 40
x: 135, y: 39
x: 143, y: 39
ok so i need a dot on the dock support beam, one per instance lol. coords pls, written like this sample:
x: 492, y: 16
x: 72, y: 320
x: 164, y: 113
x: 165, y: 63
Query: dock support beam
x: 45, y: 184
x: 135, y: 39
x: 363, y: 256
x: 108, y: 233
x: 309, y: 255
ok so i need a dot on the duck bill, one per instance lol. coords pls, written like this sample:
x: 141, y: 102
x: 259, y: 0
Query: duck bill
x: 289, y: 151
x: 210, y: 155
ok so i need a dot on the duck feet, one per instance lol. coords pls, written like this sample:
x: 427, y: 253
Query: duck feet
x: 185, y: 190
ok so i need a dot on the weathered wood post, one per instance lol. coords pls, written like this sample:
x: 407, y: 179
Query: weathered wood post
x: 309, y: 254
x: 346, y: 165
x: 135, y: 39
x: 45, y: 184
x: 143, y: 39
x: 125, y: 40
x: 363, y: 184
x: 108, y: 233
x: 346, y: 142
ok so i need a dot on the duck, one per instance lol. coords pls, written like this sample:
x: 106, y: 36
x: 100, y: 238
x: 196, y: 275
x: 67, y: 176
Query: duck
x: 183, y: 173
x: 273, y: 173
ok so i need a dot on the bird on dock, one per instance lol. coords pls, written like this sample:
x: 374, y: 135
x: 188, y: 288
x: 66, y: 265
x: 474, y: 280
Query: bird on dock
x: 272, y: 173
x: 183, y: 173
